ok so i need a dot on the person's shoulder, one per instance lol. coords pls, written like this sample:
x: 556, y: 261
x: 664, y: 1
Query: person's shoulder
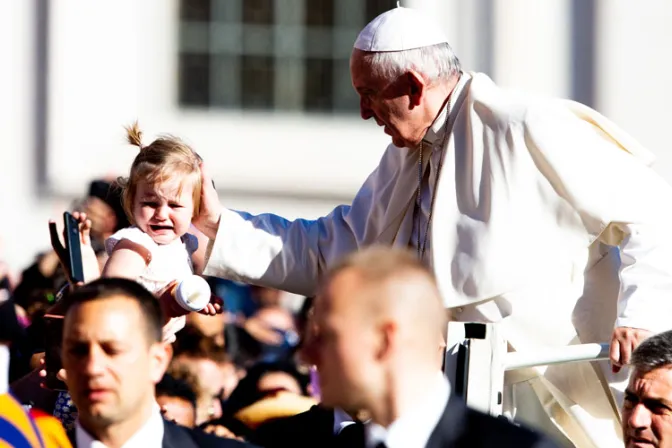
x: 393, y: 152
x: 498, y: 431
x: 179, y: 434
x: 134, y: 234
x: 394, y: 159
x: 506, y: 105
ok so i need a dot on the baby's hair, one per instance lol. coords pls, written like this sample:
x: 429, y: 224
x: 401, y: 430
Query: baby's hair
x: 133, y: 135
x: 165, y: 158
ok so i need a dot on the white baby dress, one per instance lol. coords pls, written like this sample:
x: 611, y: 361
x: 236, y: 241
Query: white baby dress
x: 169, y: 262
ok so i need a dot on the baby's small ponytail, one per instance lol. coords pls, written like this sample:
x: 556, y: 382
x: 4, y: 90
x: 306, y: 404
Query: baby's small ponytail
x: 133, y: 135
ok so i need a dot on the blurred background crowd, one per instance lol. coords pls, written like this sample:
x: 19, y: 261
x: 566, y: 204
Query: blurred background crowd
x: 233, y: 370
x: 276, y: 118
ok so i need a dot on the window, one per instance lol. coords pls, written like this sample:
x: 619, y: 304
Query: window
x: 287, y: 55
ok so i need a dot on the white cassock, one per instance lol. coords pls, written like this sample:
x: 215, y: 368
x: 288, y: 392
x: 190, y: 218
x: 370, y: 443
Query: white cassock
x: 547, y: 218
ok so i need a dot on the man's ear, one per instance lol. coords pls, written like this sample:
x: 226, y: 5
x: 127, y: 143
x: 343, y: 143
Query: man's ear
x: 387, y: 341
x: 416, y: 88
x: 161, y: 353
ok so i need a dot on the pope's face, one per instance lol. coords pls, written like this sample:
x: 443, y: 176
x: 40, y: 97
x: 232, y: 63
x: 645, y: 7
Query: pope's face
x: 388, y: 101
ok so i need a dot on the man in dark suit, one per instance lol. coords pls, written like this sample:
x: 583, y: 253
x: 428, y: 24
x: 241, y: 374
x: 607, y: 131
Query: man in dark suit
x: 375, y: 336
x: 113, y: 356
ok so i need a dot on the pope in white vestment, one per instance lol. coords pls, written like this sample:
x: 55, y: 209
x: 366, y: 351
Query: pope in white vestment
x: 547, y: 218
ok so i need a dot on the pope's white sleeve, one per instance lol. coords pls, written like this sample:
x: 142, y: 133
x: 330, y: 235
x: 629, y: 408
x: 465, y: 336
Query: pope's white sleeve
x: 272, y: 251
x: 619, y: 199
x: 645, y: 299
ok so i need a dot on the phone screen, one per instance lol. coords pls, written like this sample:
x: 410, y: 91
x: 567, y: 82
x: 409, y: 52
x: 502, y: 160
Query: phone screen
x: 73, y: 247
x: 52, y: 355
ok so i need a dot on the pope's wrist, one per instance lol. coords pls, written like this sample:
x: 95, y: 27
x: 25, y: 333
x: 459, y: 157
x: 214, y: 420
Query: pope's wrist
x: 211, y: 225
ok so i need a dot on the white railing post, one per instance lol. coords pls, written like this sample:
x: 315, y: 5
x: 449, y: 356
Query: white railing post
x: 477, y: 357
x: 474, y: 364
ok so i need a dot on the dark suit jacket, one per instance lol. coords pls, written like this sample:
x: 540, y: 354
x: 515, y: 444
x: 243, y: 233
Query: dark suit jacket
x: 313, y: 428
x: 175, y: 436
x: 462, y: 427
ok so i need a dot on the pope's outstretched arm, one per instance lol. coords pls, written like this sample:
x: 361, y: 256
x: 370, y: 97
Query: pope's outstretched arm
x: 272, y: 251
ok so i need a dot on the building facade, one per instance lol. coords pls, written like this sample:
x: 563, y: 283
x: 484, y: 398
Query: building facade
x: 261, y: 90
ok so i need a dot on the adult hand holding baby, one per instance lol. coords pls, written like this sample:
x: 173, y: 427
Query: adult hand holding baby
x: 185, y: 292
x: 210, y: 210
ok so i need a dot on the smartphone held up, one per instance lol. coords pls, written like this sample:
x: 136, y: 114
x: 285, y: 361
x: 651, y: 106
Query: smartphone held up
x: 73, y: 248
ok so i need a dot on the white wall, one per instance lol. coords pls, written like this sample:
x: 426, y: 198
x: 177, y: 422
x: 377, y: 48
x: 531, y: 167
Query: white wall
x: 23, y: 215
x: 634, y: 71
x: 113, y: 62
x: 130, y: 72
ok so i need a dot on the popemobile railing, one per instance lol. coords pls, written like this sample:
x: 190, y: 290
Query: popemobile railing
x: 477, y: 358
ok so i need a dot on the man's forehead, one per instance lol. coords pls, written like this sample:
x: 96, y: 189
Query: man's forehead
x: 112, y: 315
x: 656, y: 381
x: 361, y: 71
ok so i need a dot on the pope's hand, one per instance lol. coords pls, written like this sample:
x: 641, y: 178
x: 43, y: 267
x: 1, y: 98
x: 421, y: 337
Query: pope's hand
x: 210, y: 211
x: 624, y: 341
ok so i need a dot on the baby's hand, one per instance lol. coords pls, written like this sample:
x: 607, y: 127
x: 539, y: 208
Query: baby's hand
x: 89, y: 260
x: 216, y: 306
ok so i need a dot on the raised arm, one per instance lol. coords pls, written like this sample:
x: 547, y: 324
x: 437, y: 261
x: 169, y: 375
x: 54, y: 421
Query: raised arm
x: 127, y: 260
x: 292, y: 255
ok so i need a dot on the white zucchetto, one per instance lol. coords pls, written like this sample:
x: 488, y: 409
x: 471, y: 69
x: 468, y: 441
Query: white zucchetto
x: 400, y: 29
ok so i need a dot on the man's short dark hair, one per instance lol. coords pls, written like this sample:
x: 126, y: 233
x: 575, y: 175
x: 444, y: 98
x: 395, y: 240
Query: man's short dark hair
x: 172, y: 387
x: 654, y: 353
x: 106, y: 288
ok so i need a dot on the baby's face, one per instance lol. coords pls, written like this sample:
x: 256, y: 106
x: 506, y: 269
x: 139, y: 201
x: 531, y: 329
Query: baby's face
x: 162, y: 211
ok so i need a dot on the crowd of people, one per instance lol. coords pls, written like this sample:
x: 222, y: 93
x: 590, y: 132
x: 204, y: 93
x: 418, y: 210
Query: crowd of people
x: 221, y: 365
x: 488, y: 206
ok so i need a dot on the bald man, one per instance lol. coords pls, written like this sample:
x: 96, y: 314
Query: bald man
x: 373, y: 338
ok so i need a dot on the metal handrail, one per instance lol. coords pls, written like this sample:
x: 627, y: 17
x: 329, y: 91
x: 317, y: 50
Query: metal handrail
x: 570, y: 353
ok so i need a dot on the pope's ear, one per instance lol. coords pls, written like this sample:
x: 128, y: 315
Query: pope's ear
x: 416, y: 87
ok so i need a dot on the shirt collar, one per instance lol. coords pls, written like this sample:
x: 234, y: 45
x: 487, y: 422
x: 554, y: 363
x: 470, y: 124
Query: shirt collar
x: 414, y: 426
x: 150, y: 435
x: 341, y: 420
x: 438, y: 128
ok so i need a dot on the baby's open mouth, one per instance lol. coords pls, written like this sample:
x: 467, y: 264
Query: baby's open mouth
x: 157, y: 228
